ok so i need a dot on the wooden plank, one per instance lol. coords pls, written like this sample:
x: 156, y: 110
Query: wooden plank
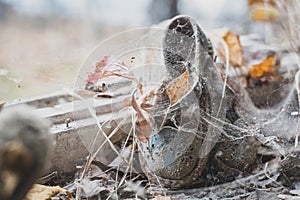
x: 70, y: 140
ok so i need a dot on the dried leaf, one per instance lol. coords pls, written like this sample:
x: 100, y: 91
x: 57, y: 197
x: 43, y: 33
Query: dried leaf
x: 144, y: 122
x: 263, y: 10
x: 236, y: 55
x: 90, y: 188
x: 95, y: 172
x: 136, y: 188
x: 45, y: 192
x: 267, y: 67
x: 102, y: 63
x: 178, y: 88
x: 109, y: 67
x: 148, y: 97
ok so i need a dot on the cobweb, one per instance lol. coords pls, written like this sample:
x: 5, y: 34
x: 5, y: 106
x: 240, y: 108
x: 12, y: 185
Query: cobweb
x: 129, y: 92
x: 134, y: 78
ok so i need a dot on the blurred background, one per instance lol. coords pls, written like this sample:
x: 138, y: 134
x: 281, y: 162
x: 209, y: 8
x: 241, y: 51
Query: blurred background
x: 44, y: 42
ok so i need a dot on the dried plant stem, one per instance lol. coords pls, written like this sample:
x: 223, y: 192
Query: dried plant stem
x: 107, y: 138
x: 297, y: 83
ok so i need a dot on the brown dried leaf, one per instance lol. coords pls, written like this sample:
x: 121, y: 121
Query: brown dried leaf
x: 95, y: 172
x: 149, y: 96
x: 267, y: 68
x: 144, y: 122
x: 236, y: 55
x: 178, y: 88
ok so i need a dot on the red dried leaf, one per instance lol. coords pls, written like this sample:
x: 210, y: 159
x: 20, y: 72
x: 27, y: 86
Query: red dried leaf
x: 101, y: 63
x: 110, y: 67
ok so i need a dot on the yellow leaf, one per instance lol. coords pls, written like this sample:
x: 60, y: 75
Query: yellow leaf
x: 236, y: 55
x: 43, y: 192
x: 266, y: 68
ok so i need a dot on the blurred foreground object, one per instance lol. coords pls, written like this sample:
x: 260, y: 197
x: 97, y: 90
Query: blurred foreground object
x: 24, y: 146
